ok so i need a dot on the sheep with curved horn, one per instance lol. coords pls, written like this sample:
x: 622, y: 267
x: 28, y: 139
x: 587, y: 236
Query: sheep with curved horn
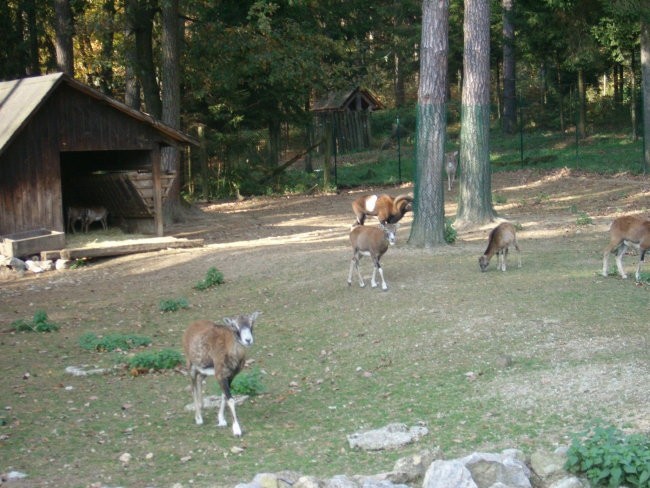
x: 387, y: 209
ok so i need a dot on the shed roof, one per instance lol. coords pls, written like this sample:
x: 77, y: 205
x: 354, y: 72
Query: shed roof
x: 21, y: 99
x: 346, y: 100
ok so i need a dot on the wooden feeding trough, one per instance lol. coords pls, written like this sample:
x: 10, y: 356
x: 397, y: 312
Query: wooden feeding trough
x: 30, y: 242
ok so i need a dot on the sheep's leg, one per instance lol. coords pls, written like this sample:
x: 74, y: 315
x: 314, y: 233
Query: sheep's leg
x: 505, y: 259
x: 373, y: 282
x: 354, y: 264
x: 449, y: 182
x: 619, y: 260
x: 637, y: 275
x: 226, y: 397
x: 518, y: 255
x: 197, y: 379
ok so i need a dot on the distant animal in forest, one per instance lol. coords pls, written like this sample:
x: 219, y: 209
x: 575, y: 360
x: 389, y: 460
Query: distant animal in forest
x: 451, y: 165
x: 501, y: 238
x: 372, y: 242
x: 627, y: 231
x: 387, y: 209
x: 219, y: 350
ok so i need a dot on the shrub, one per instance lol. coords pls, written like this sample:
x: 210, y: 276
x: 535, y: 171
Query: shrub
x: 112, y: 342
x: 157, y: 360
x: 450, y: 232
x: 584, y: 219
x: 247, y: 383
x: 39, y: 323
x: 610, y: 458
x: 212, y: 278
x: 173, y: 304
x: 500, y: 199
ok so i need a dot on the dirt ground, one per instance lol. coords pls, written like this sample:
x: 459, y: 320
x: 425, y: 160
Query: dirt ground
x: 261, y: 238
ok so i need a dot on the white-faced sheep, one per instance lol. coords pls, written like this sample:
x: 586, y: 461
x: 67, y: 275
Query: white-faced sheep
x: 213, y: 349
x: 628, y: 231
x: 387, y: 209
x: 451, y: 166
x: 373, y: 242
x: 501, y: 238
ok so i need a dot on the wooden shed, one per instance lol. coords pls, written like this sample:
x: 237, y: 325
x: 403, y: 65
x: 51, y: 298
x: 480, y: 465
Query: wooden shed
x: 348, y: 115
x: 63, y: 143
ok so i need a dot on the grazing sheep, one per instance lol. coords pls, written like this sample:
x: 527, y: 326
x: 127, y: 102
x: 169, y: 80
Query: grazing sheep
x: 95, y: 214
x: 218, y: 350
x: 373, y: 242
x: 387, y: 209
x: 628, y: 231
x: 501, y: 238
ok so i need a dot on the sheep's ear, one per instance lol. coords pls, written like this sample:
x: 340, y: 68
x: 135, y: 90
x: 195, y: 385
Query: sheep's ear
x: 231, y: 323
x: 253, y: 317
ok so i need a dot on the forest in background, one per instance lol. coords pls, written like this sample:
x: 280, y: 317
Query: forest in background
x: 242, y: 76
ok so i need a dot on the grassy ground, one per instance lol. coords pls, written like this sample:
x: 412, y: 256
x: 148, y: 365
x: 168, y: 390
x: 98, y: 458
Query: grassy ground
x: 335, y: 359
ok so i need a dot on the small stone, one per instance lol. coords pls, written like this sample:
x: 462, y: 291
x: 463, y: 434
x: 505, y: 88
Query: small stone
x: 125, y: 458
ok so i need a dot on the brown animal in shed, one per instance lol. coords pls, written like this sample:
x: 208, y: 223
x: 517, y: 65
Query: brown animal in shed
x: 218, y: 350
x: 628, y: 231
x: 373, y: 242
x: 75, y: 214
x: 95, y: 214
x: 501, y: 238
x: 387, y: 209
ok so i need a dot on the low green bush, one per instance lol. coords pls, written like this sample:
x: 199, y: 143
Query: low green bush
x: 608, y: 457
x: 584, y: 219
x: 112, y: 342
x: 450, y: 232
x: 248, y: 383
x: 156, y: 360
x: 213, y: 277
x: 39, y: 323
x: 173, y: 304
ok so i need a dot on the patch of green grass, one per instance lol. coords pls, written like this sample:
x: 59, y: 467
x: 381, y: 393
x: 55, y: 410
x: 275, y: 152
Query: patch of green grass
x: 40, y: 323
x: 500, y: 199
x: 450, y: 232
x: 156, y: 360
x: 112, y: 342
x: 213, y: 277
x: 584, y: 219
x: 173, y: 304
x: 608, y: 457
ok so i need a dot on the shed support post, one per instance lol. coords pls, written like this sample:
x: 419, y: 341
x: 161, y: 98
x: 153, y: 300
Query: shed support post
x: 157, y: 190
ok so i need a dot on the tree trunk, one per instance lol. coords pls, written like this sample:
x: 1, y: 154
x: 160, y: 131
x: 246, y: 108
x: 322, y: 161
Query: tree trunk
x: 582, y: 113
x: 33, y: 65
x: 106, y: 68
x: 633, y: 117
x: 645, y: 73
x: 509, y: 80
x: 141, y: 15
x: 428, y: 227
x: 64, y: 29
x: 132, y: 86
x: 475, y: 188
x: 171, y: 101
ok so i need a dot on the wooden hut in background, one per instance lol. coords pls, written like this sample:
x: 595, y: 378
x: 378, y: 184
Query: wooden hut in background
x: 347, y: 115
x: 63, y: 143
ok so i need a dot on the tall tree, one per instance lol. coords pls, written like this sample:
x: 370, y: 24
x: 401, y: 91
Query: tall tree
x: 171, y: 96
x: 509, y: 79
x: 475, y: 189
x: 64, y: 29
x: 645, y: 70
x: 428, y: 225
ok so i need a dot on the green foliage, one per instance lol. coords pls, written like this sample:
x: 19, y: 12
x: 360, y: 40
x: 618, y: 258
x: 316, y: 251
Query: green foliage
x: 156, y: 360
x: 248, y: 383
x: 39, y: 323
x: 173, y: 304
x: 112, y: 342
x: 610, y: 458
x: 213, y: 277
x: 79, y: 263
x: 500, y: 199
x: 584, y: 219
x: 450, y: 232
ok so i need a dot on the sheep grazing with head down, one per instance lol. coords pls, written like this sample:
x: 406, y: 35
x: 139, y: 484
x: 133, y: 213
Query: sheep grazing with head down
x: 218, y: 350
x: 501, y: 238
x: 627, y: 231
x: 387, y: 209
